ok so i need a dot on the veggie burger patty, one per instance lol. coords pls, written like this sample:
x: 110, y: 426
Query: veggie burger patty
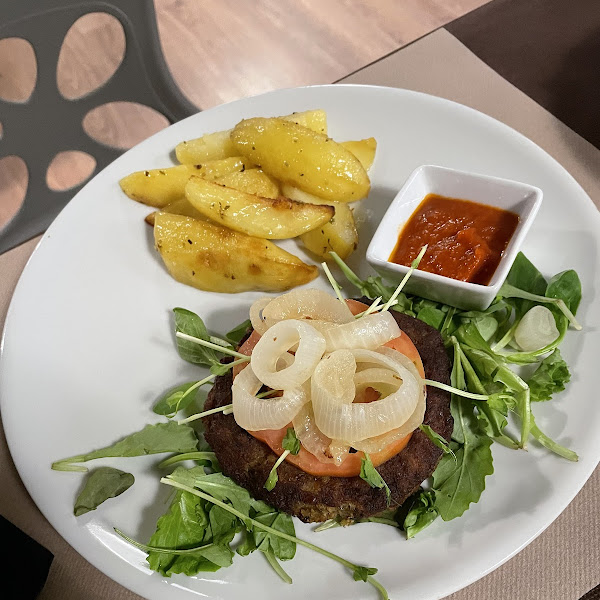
x: 248, y: 461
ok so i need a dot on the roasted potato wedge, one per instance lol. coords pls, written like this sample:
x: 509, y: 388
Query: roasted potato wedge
x: 251, y: 181
x: 260, y: 217
x: 179, y: 207
x: 159, y: 187
x: 213, y: 146
x: 364, y: 150
x: 217, y: 259
x: 303, y: 158
x: 293, y: 193
x: 339, y: 235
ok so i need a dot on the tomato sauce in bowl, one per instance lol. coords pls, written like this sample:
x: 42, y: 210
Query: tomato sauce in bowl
x: 466, y: 240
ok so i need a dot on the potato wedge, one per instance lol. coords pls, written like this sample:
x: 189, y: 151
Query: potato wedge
x: 277, y: 219
x: 293, y: 193
x: 364, y: 150
x: 303, y: 158
x: 339, y: 235
x: 217, y: 259
x: 179, y: 207
x: 213, y: 146
x: 313, y: 119
x: 251, y: 181
x: 159, y: 187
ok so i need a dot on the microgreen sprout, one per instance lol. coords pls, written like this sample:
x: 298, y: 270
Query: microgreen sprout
x: 333, y: 282
x: 453, y: 390
x: 172, y: 460
x: 291, y: 445
x: 413, y: 266
x: 212, y: 411
x: 205, y: 343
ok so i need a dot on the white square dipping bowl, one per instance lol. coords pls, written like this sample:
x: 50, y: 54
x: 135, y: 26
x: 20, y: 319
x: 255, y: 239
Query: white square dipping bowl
x: 520, y: 198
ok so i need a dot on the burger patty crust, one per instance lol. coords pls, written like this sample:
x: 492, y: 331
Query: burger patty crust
x: 248, y: 461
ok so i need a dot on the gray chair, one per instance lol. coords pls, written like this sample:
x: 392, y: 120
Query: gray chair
x: 47, y: 123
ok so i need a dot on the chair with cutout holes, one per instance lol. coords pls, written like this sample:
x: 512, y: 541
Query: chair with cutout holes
x: 47, y: 123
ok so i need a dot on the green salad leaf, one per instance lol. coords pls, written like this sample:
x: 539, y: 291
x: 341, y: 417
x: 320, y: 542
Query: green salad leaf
x: 371, y: 475
x: 566, y: 286
x: 460, y: 482
x: 421, y: 512
x: 291, y: 441
x: 177, y: 399
x: 550, y: 377
x: 191, y: 324
x: 235, y: 336
x: 153, y: 439
x: 101, y: 484
x: 436, y: 439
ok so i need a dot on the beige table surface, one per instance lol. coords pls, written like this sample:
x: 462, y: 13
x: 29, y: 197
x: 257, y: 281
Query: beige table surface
x: 564, y: 562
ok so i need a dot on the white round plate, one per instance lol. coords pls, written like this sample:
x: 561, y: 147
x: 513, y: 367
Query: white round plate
x: 88, y: 347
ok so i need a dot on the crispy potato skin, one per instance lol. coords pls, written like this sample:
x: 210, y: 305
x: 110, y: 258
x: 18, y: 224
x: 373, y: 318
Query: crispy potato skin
x: 213, y: 146
x: 337, y: 235
x: 159, y: 187
x: 276, y: 219
x: 303, y: 158
x: 217, y: 259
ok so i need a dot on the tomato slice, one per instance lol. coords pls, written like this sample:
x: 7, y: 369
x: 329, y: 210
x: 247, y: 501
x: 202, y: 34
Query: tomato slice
x: 350, y: 466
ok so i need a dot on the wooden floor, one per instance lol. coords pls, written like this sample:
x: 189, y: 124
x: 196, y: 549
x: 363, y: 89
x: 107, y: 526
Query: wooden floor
x: 218, y: 51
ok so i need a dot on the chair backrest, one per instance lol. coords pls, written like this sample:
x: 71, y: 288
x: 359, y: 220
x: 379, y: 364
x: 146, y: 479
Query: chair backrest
x: 47, y: 123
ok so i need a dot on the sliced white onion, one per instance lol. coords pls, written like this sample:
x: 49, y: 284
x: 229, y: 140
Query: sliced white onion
x: 536, y: 329
x: 256, y: 318
x: 276, y: 342
x: 378, y: 443
x: 334, y: 377
x: 359, y: 421
x: 311, y: 304
x: 368, y: 332
x: 383, y: 381
x: 255, y: 414
x: 309, y: 435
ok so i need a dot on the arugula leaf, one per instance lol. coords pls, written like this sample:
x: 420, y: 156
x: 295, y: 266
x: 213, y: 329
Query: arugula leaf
x: 422, y: 512
x: 436, y: 439
x: 362, y: 573
x: 567, y: 287
x: 290, y: 441
x: 459, y: 481
x: 236, y: 335
x: 217, y: 485
x: 184, y: 525
x: 190, y: 323
x: 153, y: 439
x: 177, y: 399
x: 283, y: 549
x: 371, y: 475
x: 550, y: 377
x: 102, y: 483
x: 248, y: 545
